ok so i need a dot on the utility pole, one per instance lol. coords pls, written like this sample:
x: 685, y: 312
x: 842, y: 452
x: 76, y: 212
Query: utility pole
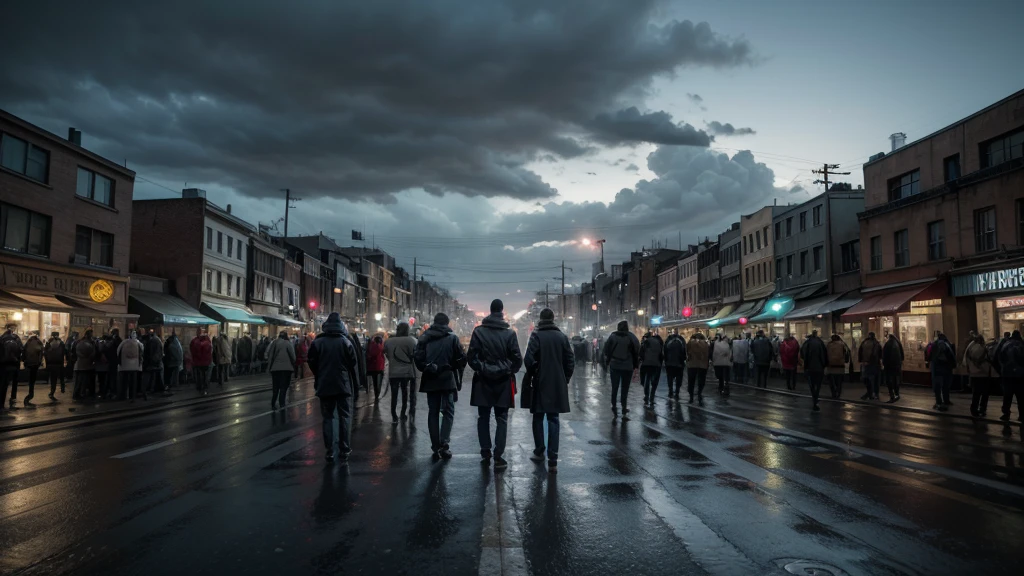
x: 413, y: 287
x: 287, y: 204
x: 563, y: 290
x: 826, y: 170
x: 545, y: 294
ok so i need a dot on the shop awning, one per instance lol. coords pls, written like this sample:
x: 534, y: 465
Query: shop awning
x: 223, y: 313
x: 746, y: 310
x: 278, y: 320
x: 890, y: 303
x: 164, y: 309
x: 725, y: 311
x: 44, y: 303
x: 774, y: 310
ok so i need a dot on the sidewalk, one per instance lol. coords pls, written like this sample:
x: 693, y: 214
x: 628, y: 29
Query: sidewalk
x: 64, y: 410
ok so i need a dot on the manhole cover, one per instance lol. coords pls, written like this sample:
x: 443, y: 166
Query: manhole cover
x: 812, y: 568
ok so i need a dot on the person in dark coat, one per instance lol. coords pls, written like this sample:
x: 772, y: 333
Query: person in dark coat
x: 360, y: 383
x: 815, y: 357
x: 201, y: 349
x: 942, y: 362
x: 439, y: 356
x: 11, y: 352
x: 332, y: 360
x: 69, y: 360
x: 33, y: 356
x: 244, y: 351
x: 762, y: 351
x: 85, y: 365
x: 550, y: 359
x: 281, y: 362
x: 870, y: 357
x: 1009, y: 362
x: 621, y: 355
x: 55, y: 356
x: 652, y: 355
x: 174, y: 357
x: 152, y: 363
x: 495, y: 358
x: 892, y: 366
x: 697, y: 360
x: 675, y: 360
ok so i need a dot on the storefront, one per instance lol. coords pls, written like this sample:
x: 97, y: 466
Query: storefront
x: 707, y: 324
x: 739, y: 320
x: 166, y: 314
x: 997, y: 295
x: 234, y: 319
x: 771, y: 318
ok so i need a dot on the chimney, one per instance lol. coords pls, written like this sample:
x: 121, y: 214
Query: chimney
x: 74, y: 136
x: 898, y: 140
x: 229, y: 208
x: 193, y: 193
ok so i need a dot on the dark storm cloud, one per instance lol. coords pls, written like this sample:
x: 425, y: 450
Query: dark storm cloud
x: 695, y: 98
x: 630, y: 126
x: 718, y: 129
x: 632, y: 168
x: 351, y: 99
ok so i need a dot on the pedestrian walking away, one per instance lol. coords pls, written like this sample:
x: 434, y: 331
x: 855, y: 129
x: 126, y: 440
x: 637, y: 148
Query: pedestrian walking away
x: 332, y: 359
x: 652, y: 355
x: 11, y: 352
x: 550, y: 360
x: 85, y: 366
x: 721, y: 356
x: 55, y: 355
x: 740, y: 357
x: 1009, y: 362
x: 439, y: 356
x: 375, y: 365
x: 130, y: 354
x: 173, y: 361
x: 940, y: 357
x: 789, y: 357
x: 892, y: 366
x: 201, y: 349
x: 838, y: 359
x: 152, y: 363
x: 281, y: 363
x: 869, y: 355
x: 103, y: 345
x: 762, y: 351
x: 979, y: 368
x: 113, y: 364
x: 697, y: 360
x: 301, y: 356
x: 621, y: 355
x: 221, y: 358
x: 675, y: 362
x: 400, y: 350
x: 815, y: 358
x: 245, y: 350
x: 33, y: 356
x: 495, y: 358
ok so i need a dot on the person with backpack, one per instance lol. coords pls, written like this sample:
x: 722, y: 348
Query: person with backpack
x: 652, y: 355
x: 11, y: 353
x: 85, y: 366
x: 942, y: 361
x: 201, y: 349
x: 33, y: 357
x: 375, y: 365
x: 54, y: 354
x: 495, y: 358
x: 892, y: 366
x: 675, y: 361
x: 869, y: 355
x: 789, y: 357
x: 979, y: 368
x: 1009, y: 361
x: 697, y: 359
x: 129, y: 355
x: 332, y: 360
x: 399, y: 350
x: 281, y: 361
x: 621, y: 355
x: 838, y: 358
x: 549, y: 358
x: 439, y: 356
x: 152, y: 363
x: 721, y: 357
x: 814, y: 354
x: 173, y: 360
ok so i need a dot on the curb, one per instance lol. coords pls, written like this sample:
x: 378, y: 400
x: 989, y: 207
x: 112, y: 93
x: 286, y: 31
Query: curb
x: 883, y: 405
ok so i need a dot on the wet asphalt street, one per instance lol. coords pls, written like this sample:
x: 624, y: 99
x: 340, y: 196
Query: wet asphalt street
x: 743, y: 485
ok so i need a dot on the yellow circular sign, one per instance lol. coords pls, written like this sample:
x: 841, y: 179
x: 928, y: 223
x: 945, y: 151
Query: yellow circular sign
x: 101, y: 291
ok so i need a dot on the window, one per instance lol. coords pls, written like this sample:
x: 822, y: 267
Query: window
x: 816, y: 256
x: 951, y: 167
x: 19, y: 156
x: 24, y: 231
x: 230, y: 278
x: 1002, y: 149
x: 746, y: 274
x: 778, y: 230
x: 789, y: 265
x: 803, y: 221
x: 209, y: 278
x: 789, y: 227
x: 95, y: 187
x: 936, y: 240
x: 758, y: 236
x: 904, y: 186
x: 901, y: 247
x: 94, y: 247
x: 765, y: 236
x: 744, y: 245
x: 803, y: 262
x: 239, y: 252
x: 231, y: 246
x: 1020, y: 221
x: 850, y: 255
x: 778, y: 267
x: 985, y: 229
x: 219, y: 284
x: 876, y: 253
x: 220, y: 244
x: 209, y: 238
x: 817, y: 215
x: 757, y: 270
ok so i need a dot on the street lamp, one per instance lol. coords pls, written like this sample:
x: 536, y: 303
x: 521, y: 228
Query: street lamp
x: 378, y: 316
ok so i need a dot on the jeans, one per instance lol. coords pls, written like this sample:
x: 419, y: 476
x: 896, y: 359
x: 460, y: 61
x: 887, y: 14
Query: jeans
x: 152, y: 381
x: 892, y: 382
x: 440, y: 404
x: 835, y: 382
x: 762, y: 374
x: 649, y: 376
x: 941, y: 380
x: 538, y: 435
x: 280, y: 379
x: 9, y: 375
x: 790, y: 378
x: 674, y: 376
x: 1012, y: 387
x: 869, y: 375
x: 401, y: 384
x: 620, y: 378
x: 377, y: 378
x: 979, y: 395
x: 739, y: 372
x: 483, y: 430
x: 202, y: 377
x: 722, y: 374
x: 131, y: 385
x: 343, y: 406
x: 814, y: 380
x: 696, y: 376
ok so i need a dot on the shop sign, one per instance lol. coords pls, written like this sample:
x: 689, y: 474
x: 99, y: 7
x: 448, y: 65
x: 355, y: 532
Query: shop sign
x: 1009, y: 302
x: 18, y: 278
x: 101, y: 291
x: 983, y: 282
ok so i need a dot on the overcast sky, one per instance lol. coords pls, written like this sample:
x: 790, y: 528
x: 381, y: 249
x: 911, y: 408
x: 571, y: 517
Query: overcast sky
x: 487, y: 137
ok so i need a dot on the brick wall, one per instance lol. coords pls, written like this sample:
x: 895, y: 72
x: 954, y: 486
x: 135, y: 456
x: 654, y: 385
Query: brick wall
x: 167, y: 242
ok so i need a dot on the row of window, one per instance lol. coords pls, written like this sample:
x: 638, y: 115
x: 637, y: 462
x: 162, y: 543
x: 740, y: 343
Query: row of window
x: 815, y: 215
x: 267, y: 263
x: 758, y: 272
x: 33, y: 162
x: 231, y: 243
x: 731, y: 286
x: 28, y: 232
x: 750, y: 239
x: 222, y: 283
x: 689, y: 269
x: 817, y: 259
x: 731, y: 255
x: 984, y: 238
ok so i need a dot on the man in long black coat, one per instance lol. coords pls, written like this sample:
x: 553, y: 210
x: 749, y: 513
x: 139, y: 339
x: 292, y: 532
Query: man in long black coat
x: 332, y: 359
x: 550, y: 359
x: 495, y: 359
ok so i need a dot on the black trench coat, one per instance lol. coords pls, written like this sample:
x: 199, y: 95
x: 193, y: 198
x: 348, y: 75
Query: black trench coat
x: 549, y: 357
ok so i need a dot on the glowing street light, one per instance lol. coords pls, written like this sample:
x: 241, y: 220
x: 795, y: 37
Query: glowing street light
x: 378, y: 316
x: 640, y: 312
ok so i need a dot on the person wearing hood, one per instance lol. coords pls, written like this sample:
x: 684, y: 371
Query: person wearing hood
x: 201, y: 349
x: 332, y: 360
x: 244, y: 349
x: 697, y: 360
x: 375, y: 365
x: 892, y: 366
x: 1009, y: 362
x: 652, y: 355
x: 740, y: 357
x: 33, y: 355
x: 439, y: 356
x: 721, y: 357
x: 549, y: 358
x: 675, y: 360
x: 942, y: 361
x: 622, y: 357
x: 55, y: 355
x: 173, y: 360
x: 11, y: 353
x: 814, y: 353
x: 495, y: 358
x: 399, y: 350
x: 838, y: 360
x: 281, y: 362
x: 762, y: 352
x: 130, y: 354
x: 869, y: 355
x: 85, y: 366
x: 789, y: 357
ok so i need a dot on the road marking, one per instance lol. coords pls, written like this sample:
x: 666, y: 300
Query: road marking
x: 176, y: 439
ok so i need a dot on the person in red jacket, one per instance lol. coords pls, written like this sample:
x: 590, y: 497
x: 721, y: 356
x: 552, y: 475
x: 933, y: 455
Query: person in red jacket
x: 201, y: 349
x: 375, y: 364
x: 789, y: 355
x: 301, y: 356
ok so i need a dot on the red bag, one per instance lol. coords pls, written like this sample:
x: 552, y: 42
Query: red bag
x: 513, y: 390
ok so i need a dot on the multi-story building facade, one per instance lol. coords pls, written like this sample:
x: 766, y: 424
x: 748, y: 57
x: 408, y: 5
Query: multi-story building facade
x: 265, y: 285
x: 709, y: 284
x: 942, y: 233
x: 729, y: 264
x: 65, y: 222
x: 668, y: 294
x: 687, y: 267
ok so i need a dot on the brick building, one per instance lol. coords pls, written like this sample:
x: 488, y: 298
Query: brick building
x: 65, y: 222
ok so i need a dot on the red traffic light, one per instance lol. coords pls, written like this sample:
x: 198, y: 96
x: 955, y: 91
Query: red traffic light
x: 312, y: 305
x: 687, y: 312
x: 743, y: 321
